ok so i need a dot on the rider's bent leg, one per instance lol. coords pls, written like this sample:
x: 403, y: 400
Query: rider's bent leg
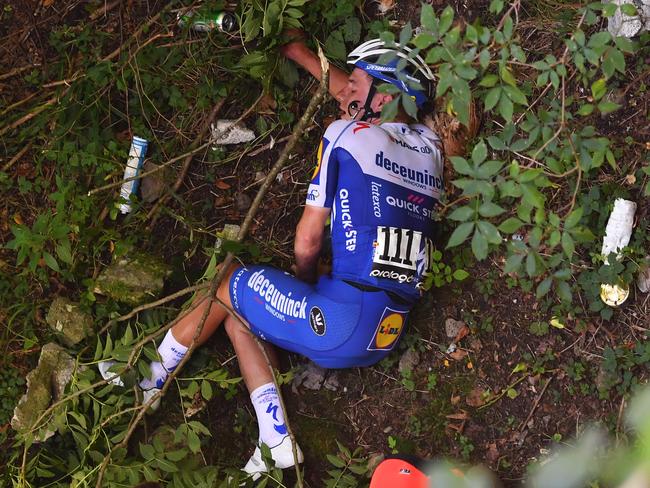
x: 174, y: 346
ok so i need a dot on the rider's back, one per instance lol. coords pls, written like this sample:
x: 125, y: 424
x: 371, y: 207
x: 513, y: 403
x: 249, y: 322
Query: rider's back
x: 382, y: 182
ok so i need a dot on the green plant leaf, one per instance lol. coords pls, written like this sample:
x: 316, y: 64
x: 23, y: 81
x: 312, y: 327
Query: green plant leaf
x: 598, y: 89
x: 51, y: 261
x: 460, y: 274
x: 513, y: 263
x: 490, y: 232
x: 544, y: 287
x: 460, y: 234
x: 479, y: 153
x: 428, y: 17
x: 573, y: 218
x: 479, y: 245
x: 446, y: 18
x: 532, y: 195
x: 462, y: 214
x: 567, y: 244
x: 492, y: 98
x: 489, y: 209
x: 510, y: 225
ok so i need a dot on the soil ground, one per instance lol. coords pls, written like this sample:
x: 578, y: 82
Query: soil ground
x: 477, y: 404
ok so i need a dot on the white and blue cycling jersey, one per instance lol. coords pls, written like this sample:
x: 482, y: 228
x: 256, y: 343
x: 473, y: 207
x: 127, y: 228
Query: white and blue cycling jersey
x: 382, y: 183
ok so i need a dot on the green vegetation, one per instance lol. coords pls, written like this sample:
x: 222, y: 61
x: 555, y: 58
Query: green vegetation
x: 530, y: 201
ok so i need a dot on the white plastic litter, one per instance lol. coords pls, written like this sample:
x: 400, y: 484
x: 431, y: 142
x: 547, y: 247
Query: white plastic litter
x: 226, y: 132
x: 643, y: 280
x: 628, y: 26
x: 619, y: 227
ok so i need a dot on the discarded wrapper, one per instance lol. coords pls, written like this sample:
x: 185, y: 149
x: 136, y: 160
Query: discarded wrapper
x: 133, y: 166
x: 617, y: 236
x: 614, y: 295
x: 225, y: 132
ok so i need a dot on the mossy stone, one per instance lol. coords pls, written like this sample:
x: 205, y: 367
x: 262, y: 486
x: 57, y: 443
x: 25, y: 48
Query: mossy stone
x: 69, y: 321
x: 45, y: 384
x: 133, y: 279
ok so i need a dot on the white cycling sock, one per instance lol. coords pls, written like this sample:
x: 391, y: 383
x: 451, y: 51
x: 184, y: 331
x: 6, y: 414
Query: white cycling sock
x: 270, y: 416
x: 171, y: 353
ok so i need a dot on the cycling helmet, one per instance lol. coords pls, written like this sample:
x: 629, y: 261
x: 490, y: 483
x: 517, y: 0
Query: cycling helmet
x: 367, y: 57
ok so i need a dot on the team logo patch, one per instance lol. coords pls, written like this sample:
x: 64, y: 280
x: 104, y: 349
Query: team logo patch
x: 320, y: 161
x: 388, y: 331
x: 317, y: 321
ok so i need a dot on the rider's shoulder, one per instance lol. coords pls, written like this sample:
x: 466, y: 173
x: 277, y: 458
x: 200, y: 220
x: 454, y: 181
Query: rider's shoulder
x: 345, y: 130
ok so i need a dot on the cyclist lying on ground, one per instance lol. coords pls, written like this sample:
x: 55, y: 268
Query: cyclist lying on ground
x: 379, y: 182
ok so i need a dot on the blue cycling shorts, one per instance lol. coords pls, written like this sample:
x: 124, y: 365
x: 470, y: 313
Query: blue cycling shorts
x: 333, y: 323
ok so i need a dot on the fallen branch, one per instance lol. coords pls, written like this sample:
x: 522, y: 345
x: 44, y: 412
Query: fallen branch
x: 537, y: 400
x: 20, y: 154
x: 17, y: 71
x: 157, y: 303
x: 186, y: 163
x: 28, y: 116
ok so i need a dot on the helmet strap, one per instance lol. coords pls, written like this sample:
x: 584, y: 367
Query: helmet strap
x: 369, y: 113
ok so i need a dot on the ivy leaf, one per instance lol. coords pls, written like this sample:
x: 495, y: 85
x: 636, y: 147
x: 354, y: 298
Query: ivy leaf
x: 460, y: 234
x: 607, y: 107
x: 489, y: 80
x: 585, y: 109
x: 479, y: 245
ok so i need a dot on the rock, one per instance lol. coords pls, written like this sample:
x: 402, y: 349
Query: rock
x: 409, y: 360
x: 133, y: 279
x: 229, y: 233
x: 453, y: 327
x: 153, y: 186
x: 45, y: 385
x: 628, y: 26
x: 242, y: 202
x: 643, y: 280
x: 68, y: 320
x: 227, y: 133
x: 313, y: 377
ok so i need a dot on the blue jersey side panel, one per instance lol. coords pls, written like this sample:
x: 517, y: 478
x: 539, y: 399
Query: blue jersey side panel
x: 381, y: 183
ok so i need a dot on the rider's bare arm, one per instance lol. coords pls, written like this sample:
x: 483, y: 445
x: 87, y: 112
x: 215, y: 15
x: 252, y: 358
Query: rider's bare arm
x: 297, y: 51
x: 309, y: 239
